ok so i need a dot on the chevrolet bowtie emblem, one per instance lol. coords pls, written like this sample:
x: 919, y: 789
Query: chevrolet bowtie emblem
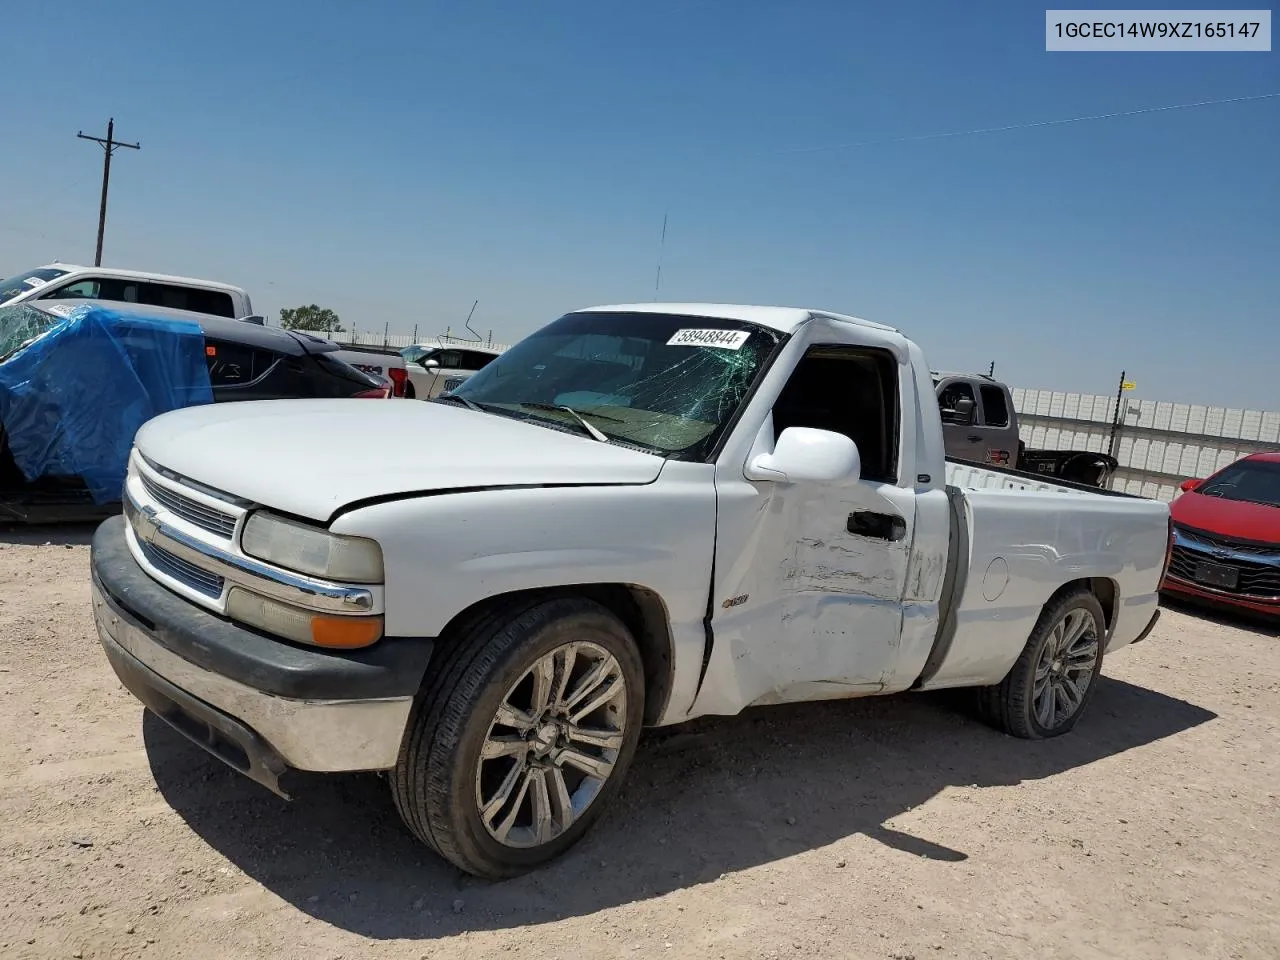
x: 150, y: 527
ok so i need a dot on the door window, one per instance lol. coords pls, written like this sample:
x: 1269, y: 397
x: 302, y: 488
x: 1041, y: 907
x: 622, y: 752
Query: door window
x: 995, y: 411
x: 952, y: 394
x: 234, y: 364
x: 474, y: 360
x: 848, y: 390
x: 81, y: 288
x: 212, y: 302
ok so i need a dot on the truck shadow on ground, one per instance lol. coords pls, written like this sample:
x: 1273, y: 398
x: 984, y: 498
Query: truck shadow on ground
x: 712, y: 797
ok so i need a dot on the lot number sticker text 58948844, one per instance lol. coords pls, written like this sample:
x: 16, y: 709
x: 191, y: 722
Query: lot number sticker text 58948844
x: 721, y: 339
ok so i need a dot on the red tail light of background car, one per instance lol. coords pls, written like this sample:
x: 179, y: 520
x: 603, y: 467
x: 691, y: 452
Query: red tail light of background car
x: 399, y: 377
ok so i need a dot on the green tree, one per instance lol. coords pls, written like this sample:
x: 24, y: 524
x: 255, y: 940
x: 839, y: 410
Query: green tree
x: 320, y: 319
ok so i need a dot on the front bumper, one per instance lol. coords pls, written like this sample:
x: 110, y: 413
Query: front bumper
x: 1221, y: 599
x: 260, y: 704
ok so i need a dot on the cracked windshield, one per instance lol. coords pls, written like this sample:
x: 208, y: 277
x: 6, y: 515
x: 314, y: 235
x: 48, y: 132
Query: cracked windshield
x: 667, y: 383
x: 19, y: 325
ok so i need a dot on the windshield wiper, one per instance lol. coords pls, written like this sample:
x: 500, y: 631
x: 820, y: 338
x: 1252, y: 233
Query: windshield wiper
x: 469, y: 404
x: 594, y: 432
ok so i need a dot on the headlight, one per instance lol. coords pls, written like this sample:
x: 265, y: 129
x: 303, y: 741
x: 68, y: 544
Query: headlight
x: 308, y: 549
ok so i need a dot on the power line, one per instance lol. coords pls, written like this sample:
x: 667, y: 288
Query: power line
x: 109, y: 146
x: 1020, y: 126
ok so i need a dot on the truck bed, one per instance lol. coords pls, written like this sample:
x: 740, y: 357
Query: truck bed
x: 973, y: 476
x: 1004, y: 548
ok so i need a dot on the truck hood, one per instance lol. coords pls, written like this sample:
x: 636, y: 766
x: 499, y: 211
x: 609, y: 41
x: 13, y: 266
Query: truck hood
x: 1227, y: 518
x: 312, y: 457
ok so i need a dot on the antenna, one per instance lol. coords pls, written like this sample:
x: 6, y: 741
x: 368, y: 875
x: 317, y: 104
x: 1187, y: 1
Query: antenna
x: 475, y: 335
x: 657, y: 282
x: 470, y: 329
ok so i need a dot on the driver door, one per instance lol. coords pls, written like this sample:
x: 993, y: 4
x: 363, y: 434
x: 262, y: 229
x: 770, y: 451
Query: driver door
x: 809, y: 580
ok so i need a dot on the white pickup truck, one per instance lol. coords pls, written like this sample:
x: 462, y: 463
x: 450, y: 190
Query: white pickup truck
x: 649, y: 513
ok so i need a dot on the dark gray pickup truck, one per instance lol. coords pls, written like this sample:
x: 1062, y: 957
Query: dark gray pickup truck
x: 979, y: 424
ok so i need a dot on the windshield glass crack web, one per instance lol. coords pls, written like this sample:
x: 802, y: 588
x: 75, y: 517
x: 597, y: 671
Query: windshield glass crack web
x: 626, y: 378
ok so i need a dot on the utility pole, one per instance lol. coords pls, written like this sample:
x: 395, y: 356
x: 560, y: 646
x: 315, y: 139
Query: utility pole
x: 108, y: 147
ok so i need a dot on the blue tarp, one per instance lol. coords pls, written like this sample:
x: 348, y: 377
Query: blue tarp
x: 71, y: 402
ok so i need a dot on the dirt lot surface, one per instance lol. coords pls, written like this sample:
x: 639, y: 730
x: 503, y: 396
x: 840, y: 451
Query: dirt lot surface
x: 888, y: 828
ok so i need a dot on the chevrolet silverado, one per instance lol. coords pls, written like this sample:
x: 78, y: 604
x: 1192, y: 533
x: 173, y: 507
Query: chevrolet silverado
x: 649, y: 513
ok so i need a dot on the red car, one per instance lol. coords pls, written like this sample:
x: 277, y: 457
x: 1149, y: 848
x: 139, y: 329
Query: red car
x: 1226, y: 537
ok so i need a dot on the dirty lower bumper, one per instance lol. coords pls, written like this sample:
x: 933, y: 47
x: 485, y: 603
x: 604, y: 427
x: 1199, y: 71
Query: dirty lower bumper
x: 259, y: 704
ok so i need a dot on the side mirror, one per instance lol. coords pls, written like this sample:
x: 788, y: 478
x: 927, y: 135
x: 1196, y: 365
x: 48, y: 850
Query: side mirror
x: 1186, y: 486
x: 805, y: 454
x: 431, y: 363
x: 966, y: 411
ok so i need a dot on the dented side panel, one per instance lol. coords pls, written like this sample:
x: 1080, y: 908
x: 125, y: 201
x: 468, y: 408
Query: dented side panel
x: 803, y: 606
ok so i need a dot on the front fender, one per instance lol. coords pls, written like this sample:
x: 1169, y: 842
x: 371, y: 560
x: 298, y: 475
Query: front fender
x: 444, y: 553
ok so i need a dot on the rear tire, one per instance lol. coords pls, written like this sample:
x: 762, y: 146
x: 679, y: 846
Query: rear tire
x: 523, y: 737
x: 1046, y: 691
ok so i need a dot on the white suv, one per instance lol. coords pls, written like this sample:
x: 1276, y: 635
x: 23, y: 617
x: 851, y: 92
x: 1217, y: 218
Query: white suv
x: 435, y: 369
x: 65, y: 281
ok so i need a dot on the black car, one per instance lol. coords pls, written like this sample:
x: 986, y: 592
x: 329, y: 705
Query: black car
x: 245, y: 361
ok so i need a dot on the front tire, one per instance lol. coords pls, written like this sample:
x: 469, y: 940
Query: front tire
x: 523, y: 737
x: 1046, y: 692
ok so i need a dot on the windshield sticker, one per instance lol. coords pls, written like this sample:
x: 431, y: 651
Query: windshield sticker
x: 720, y: 339
x: 34, y: 282
x: 61, y: 309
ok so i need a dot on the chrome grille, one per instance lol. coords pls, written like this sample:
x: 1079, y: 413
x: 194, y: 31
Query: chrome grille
x: 206, y: 518
x: 202, y: 581
x: 1254, y: 579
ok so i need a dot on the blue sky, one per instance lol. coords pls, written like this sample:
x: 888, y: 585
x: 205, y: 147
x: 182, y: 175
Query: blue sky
x: 398, y: 161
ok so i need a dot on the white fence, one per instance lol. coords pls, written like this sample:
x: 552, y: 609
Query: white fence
x: 372, y: 338
x: 1159, y: 444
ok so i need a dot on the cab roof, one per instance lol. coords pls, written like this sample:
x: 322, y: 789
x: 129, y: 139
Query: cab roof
x: 782, y: 319
x: 142, y: 275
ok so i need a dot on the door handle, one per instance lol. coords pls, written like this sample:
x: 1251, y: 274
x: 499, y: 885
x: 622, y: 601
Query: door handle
x: 972, y: 439
x: 881, y: 526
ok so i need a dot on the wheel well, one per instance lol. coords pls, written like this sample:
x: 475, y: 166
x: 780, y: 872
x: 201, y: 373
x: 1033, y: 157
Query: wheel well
x: 642, y: 610
x: 1103, y: 588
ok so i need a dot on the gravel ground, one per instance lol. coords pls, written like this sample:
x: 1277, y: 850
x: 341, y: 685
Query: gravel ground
x: 886, y: 828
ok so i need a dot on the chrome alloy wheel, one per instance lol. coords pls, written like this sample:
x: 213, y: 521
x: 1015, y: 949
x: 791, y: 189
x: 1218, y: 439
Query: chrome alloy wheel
x: 1065, y: 669
x: 552, y: 745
